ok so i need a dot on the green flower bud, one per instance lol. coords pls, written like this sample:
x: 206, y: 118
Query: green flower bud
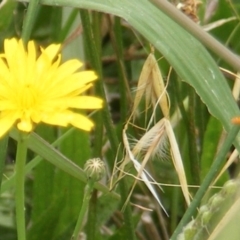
x: 230, y: 187
x: 215, y: 202
x: 188, y: 231
x: 95, y: 169
x: 203, y: 209
x: 206, y: 216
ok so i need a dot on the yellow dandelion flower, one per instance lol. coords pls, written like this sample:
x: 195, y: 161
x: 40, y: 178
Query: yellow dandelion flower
x: 36, y: 89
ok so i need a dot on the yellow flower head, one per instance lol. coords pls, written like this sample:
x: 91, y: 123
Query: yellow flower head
x: 36, y: 89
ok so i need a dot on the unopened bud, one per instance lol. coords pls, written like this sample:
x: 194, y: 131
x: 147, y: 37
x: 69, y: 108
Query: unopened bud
x: 95, y: 169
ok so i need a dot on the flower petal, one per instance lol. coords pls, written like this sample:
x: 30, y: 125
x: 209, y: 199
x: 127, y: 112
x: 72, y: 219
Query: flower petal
x: 44, y: 61
x: 85, y: 102
x: 16, y: 58
x: 4, y: 70
x: 51, y: 51
x: 31, y: 63
x: 59, y: 118
x: 69, y: 67
x: 81, y: 122
x: 75, y: 82
x: 10, y: 46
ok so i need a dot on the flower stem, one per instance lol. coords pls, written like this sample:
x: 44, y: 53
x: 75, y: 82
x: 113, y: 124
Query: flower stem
x: 19, y: 197
x: 86, y: 198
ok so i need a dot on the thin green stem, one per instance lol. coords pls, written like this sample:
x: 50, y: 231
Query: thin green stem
x: 56, y: 20
x: 214, y: 170
x: 86, y: 198
x: 124, y: 98
x: 198, y: 32
x: 94, y: 28
x: 93, y: 51
x: 67, y: 26
x: 30, y: 19
x: 92, y: 226
x: 174, y: 208
x: 125, y: 92
x: 19, y: 198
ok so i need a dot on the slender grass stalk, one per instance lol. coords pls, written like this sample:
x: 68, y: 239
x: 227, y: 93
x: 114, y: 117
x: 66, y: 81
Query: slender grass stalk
x: 94, y: 56
x: 65, y: 28
x: 174, y: 208
x: 95, y: 28
x: 98, y: 116
x: 92, y: 224
x: 30, y: 19
x: 95, y: 60
x: 124, y: 87
x: 57, y: 23
x: 97, y: 31
x: 86, y: 198
x: 198, y: 32
x: 124, y: 98
x: 214, y: 170
x: 19, y: 195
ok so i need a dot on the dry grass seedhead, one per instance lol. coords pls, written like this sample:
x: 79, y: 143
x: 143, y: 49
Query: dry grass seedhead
x: 151, y: 87
x: 153, y: 142
x: 189, y: 8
